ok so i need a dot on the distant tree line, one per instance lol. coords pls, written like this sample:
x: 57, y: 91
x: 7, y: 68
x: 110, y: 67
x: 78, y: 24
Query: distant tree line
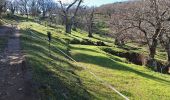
x: 69, y: 15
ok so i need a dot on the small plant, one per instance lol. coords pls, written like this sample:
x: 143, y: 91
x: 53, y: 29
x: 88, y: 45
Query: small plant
x: 75, y: 41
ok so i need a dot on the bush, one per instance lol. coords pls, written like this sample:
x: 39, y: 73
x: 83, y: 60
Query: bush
x: 87, y: 42
x: 83, y: 42
x: 133, y: 57
x: 136, y: 58
x: 115, y: 52
x: 75, y: 41
x: 156, y: 65
x: 100, y: 43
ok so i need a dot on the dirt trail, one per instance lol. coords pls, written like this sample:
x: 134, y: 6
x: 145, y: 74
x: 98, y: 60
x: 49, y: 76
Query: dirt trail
x: 15, y: 76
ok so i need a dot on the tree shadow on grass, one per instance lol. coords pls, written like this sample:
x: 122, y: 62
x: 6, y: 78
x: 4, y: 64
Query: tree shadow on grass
x: 17, y: 18
x: 43, y: 36
x: 106, y: 62
x: 52, y: 85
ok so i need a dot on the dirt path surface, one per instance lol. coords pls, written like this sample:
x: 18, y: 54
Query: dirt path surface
x: 15, y: 76
x: 3, y: 30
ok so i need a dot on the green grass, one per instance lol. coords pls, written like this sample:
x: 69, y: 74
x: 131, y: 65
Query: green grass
x: 55, y: 75
x: 134, y: 81
x: 59, y: 78
x: 60, y: 70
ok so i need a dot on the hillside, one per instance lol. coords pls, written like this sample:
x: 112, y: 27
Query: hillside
x: 56, y: 76
x: 71, y: 50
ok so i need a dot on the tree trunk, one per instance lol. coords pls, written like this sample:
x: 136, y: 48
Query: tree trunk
x: 75, y: 27
x: 90, y: 31
x: 27, y: 16
x: 169, y: 56
x: 43, y: 14
x: 168, y: 52
x: 152, y: 49
x: 13, y: 11
x: 1, y: 10
x: 26, y: 11
x: 68, y: 25
x: 152, y: 52
x: 68, y: 28
x: 90, y: 34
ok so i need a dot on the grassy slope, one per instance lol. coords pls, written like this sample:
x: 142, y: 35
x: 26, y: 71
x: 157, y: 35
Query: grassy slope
x: 55, y: 75
x: 65, y: 79
x: 134, y: 81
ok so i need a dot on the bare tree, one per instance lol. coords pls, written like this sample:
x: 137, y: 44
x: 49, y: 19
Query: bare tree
x: 151, y: 22
x: 34, y: 8
x: 2, y: 5
x: 90, y: 21
x: 24, y: 6
x: 120, y: 28
x: 45, y: 6
x: 69, y: 18
x: 12, y: 6
x: 147, y: 19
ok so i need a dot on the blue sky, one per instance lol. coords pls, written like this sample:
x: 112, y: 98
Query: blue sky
x: 95, y: 2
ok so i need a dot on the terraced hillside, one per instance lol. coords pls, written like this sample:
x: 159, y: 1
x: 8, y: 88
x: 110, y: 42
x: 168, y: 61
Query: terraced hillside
x: 59, y: 77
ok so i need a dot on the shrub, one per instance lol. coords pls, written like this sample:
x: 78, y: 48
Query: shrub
x: 133, y: 57
x: 87, y: 42
x: 156, y: 65
x: 75, y: 41
x: 136, y: 58
x: 100, y: 43
x: 114, y: 52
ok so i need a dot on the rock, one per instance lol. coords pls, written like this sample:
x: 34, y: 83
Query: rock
x: 20, y: 89
x: 136, y: 58
x: 18, y: 74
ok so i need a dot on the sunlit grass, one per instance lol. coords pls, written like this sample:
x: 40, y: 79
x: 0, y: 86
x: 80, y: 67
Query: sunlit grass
x: 136, y: 82
x: 65, y: 79
x: 55, y: 74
